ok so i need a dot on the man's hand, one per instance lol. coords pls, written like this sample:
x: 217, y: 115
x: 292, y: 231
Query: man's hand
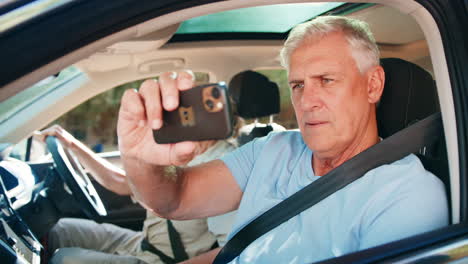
x: 174, y: 193
x: 142, y: 111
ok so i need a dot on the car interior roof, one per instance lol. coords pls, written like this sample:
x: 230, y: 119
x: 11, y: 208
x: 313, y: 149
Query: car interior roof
x: 151, y: 53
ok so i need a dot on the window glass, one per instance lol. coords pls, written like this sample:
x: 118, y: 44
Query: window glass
x: 12, y: 105
x: 271, y: 18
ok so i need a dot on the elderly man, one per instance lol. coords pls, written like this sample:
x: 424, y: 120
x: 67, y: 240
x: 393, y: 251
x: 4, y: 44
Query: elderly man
x: 336, y: 81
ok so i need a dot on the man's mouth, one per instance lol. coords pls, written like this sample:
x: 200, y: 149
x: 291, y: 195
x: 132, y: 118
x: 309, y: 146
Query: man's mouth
x: 316, y: 123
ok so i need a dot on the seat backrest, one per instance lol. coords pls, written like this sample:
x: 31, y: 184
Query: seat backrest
x: 254, y: 96
x: 409, y: 95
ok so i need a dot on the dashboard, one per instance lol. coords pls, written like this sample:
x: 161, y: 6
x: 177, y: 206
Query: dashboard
x: 17, y: 242
x: 34, y: 196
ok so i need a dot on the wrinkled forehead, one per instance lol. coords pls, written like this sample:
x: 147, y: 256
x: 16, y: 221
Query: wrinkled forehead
x: 325, y: 54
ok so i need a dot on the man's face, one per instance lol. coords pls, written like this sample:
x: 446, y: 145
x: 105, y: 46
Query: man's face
x: 329, y: 95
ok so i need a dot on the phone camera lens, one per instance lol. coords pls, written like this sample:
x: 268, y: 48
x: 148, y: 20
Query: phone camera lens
x: 210, y: 104
x: 215, y: 93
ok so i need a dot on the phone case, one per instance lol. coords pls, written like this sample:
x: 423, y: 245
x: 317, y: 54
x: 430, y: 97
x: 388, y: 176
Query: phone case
x: 196, y: 118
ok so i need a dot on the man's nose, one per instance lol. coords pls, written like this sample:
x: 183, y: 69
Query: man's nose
x: 311, y: 98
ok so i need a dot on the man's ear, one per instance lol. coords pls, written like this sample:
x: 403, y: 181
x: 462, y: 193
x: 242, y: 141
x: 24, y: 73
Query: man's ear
x: 375, y: 84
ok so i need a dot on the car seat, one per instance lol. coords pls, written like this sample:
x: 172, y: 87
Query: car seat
x: 255, y: 96
x: 409, y: 95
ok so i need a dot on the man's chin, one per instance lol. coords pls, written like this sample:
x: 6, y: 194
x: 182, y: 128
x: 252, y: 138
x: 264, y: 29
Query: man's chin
x: 317, y: 145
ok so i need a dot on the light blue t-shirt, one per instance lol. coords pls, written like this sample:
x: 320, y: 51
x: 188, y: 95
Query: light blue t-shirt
x: 389, y: 203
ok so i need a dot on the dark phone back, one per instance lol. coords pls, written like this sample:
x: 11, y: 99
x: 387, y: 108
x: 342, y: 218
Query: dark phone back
x: 193, y: 120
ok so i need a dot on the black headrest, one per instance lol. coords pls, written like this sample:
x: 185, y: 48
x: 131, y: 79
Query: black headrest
x: 254, y: 95
x: 258, y: 131
x: 409, y: 95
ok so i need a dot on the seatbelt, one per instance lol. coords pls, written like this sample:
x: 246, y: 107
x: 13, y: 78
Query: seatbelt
x: 147, y: 246
x: 176, y: 244
x: 407, y: 141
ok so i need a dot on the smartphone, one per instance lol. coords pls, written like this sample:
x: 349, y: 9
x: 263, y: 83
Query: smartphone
x: 204, y: 113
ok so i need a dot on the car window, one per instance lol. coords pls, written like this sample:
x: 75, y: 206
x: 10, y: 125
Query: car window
x: 269, y: 18
x: 15, y: 103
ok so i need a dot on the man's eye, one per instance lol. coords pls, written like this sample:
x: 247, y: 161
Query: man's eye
x: 327, y: 80
x: 297, y: 86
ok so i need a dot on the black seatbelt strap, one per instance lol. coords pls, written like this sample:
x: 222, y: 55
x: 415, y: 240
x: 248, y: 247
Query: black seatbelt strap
x: 176, y: 243
x: 407, y: 141
x: 147, y: 246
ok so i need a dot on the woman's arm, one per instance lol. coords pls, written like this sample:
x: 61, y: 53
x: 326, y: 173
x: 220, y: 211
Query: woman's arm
x: 108, y: 175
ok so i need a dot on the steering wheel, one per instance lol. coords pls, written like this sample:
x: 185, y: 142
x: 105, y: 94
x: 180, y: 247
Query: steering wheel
x: 74, y: 176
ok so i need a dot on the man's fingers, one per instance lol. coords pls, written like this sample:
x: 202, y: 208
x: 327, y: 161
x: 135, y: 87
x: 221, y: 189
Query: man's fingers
x: 185, y: 80
x: 132, y: 111
x: 142, y: 110
x: 169, y: 90
x: 149, y: 90
x: 171, y: 84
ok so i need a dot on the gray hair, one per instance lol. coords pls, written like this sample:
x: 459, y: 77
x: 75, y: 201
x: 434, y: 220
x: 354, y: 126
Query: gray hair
x: 360, y: 39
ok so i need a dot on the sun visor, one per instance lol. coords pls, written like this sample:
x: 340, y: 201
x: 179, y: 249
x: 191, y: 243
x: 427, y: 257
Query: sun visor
x: 119, y: 55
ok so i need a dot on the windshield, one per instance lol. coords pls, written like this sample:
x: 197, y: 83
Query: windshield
x: 17, y: 102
